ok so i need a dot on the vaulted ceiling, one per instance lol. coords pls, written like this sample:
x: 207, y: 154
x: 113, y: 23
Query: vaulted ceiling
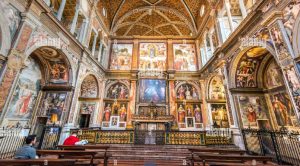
x: 128, y: 18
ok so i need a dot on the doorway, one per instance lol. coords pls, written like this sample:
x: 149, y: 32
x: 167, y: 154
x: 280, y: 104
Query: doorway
x: 84, y: 120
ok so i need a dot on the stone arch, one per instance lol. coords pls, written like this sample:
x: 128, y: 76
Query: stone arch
x: 194, y: 85
x: 233, y: 65
x: 211, y: 95
x: 111, y: 85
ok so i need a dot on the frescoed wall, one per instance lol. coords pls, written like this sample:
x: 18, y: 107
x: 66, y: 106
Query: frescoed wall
x: 89, y: 87
x: 121, y: 57
x: 185, y: 57
x: 187, y: 92
x: 118, y: 91
x: 152, y: 56
x: 25, y: 95
x: 216, y: 89
x: 273, y: 77
x: 219, y: 115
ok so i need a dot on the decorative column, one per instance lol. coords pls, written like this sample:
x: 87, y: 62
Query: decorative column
x: 74, y: 22
x: 94, y: 44
x: 204, y: 108
x: 83, y: 30
x: 198, y: 55
x: 131, y: 105
x: 205, y: 47
x: 243, y: 8
x: 86, y: 27
x: 61, y: 9
x: 228, y: 12
x: 135, y: 54
x: 101, y: 105
x: 219, y: 31
x: 170, y: 60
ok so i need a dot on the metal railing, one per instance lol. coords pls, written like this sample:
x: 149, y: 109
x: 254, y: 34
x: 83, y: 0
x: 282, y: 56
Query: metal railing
x: 282, y: 145
x: 185, y: 138
x: 219, y: 136
x: 10, y: 140
x: 50, y: 137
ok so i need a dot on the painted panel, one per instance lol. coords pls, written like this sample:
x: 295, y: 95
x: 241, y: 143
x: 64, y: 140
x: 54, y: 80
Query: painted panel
x: 25, y: 95
x: 187, y: 92
x: 252, y: 108
x: 118, y: 91
x: 87, y: 107
x: 121, y: 56
x: 89, y: 87
x: 152, y: 91
x: 219, y: 115
x: 273, y: 77
x: 216, y: 89
x: 152, y: 56
x: 54, y: 106
x: 185, y: 57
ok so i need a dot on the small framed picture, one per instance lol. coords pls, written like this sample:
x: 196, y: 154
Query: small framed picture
x: 181, y: 125
x: 114, y: 121
x: 190, y: 121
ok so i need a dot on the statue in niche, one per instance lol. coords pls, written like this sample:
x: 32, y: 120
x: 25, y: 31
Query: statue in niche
x: 197, y: 113
x: 123, y: 113
x: 181, y: 114
x: 188, y: 94
x: 107, y: 112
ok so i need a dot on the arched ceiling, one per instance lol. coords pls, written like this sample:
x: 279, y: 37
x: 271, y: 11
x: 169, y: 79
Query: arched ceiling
x: 128, y: 18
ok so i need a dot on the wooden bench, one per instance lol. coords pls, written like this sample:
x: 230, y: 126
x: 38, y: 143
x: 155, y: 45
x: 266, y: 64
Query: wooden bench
x: 204, y: 157
x: 70, y: 154
x: 220, y: 151
x: 41, y: 162
x: 86, y: 148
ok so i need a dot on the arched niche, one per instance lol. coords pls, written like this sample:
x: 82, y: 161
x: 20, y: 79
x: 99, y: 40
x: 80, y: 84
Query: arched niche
x: 187, y: 91
x: 216, y: 90
x: 117, y: 90
x: 88, y: 101
x: 89, y: 87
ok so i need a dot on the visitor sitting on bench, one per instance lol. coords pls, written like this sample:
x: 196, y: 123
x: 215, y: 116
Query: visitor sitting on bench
x: 73, y: 140
x: 27, y: 151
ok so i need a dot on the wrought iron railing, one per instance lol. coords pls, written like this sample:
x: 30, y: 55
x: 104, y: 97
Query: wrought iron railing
x: 10, y: 140
x: 50, y: 137
x: 283, y: 146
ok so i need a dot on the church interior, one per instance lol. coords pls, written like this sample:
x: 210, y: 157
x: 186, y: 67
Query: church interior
x: 151, y: 82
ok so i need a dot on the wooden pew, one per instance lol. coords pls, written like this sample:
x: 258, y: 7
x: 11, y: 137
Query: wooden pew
x: 88, y: 147
x: 73, y: 154
x: 205, y: 157
x: 41, y: 162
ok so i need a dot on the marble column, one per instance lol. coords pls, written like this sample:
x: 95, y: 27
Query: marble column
x: 83, y: 31
x: 61, y: 9
x: 207, y: 56
x: 170, y: 60
x: 211, y: 42
x: 74, y: 22
x: 100, y: 51
x: 135, y: 54
x: 228, y: 12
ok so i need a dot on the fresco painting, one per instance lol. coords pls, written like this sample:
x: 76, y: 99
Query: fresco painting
x: 152, y: 56
x: 118, y: 91
x: 54, y: 105
x: 89, y: 87
x: 219, y: 116
x: 252, y: 108
x: 25, y: 95
x: 87, y: 107
x: 121, y: 56
x: 216, y: 89
x: 273, y: 77
x: 187, y: 92
x: 185, y: 57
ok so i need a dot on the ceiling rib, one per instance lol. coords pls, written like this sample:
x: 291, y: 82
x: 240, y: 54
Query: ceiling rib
x: 116, y: 13
x: 190, y: 13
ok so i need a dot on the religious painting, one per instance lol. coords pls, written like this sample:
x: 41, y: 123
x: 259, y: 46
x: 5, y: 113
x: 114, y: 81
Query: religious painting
x: 121, y: 57
x: 290, y: 15
x: 252, y: 108
x: 282, y: 108
x: 294, y: 85
x: 189, y: 110
x: 54, y: 105
x: 13, y: 16
x: 25, y: 95
x: 146, y: 111
x: 58, y: 72
x: 152, y: 90
x: 87, y: 107
x: 273, y: 77
x: 187, y: 92
x: 219, y: 116
x: 107, y: 112
x: 181, y: 114
x: 114, y: 120
x: 89, y: 87
x: 216, y: 89
x: 246, y: 74
x: 185, y: 57
x: 118, y: 91
x: 152, y: 56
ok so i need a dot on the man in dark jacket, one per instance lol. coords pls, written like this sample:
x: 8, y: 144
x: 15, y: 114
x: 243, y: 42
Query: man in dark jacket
x: 27, y: 151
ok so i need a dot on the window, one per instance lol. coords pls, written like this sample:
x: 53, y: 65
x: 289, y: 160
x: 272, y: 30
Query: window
x: 104, y: 12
